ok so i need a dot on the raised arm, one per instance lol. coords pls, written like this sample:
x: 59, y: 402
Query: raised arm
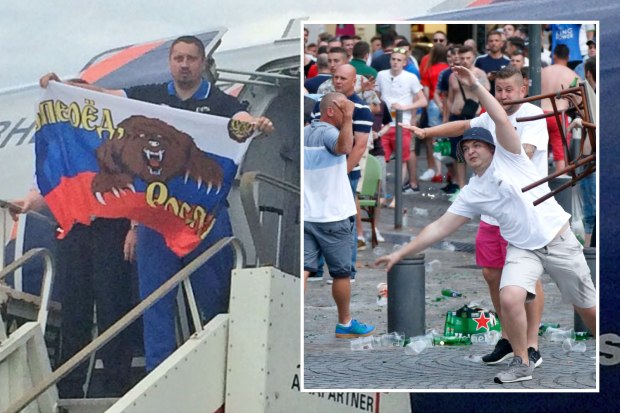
x: 344, y: 145
x: 47, y: 78
x: 506, y: 134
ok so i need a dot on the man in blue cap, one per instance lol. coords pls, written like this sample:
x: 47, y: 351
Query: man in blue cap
x: 539, y: 238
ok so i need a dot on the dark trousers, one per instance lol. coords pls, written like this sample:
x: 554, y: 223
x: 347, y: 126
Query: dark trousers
x: 92, y: 270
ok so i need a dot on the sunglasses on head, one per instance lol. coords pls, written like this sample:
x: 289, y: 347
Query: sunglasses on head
x: 399, y: 50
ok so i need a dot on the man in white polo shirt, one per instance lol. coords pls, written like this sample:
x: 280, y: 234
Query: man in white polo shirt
x: 490, y: 246
x: 539, y: 237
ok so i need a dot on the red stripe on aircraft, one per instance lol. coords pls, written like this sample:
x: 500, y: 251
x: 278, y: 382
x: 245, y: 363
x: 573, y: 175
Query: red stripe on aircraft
x: 377, y: 402
x: 117, y: 60
x: 480, y: 3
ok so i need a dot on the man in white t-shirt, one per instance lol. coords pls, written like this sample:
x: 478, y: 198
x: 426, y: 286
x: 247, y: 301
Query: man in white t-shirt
x: 539, y: 237
x: 402, y: 90
x: 490, y: 246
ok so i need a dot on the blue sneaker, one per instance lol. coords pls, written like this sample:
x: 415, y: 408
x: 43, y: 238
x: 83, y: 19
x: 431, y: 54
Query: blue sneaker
x: 356, y: 329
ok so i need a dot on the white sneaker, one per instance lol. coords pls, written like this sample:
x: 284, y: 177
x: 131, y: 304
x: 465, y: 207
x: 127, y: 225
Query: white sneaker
x: 428, y: 175
x: 379, y: 236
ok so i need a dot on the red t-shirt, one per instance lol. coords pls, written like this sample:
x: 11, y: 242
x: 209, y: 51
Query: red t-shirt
x: 431, y: 76
x: 313, y: 71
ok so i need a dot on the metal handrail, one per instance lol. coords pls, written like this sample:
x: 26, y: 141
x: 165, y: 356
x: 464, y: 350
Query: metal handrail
x: 257, y: 74
x: 46, y: 284
x: 129, y: 318
x: 246, y: 191
x: 11, y: 206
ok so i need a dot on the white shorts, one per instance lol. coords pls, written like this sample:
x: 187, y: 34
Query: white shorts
x: 562, y: 259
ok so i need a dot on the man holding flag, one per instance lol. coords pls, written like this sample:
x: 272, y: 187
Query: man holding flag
x: 175, y: 181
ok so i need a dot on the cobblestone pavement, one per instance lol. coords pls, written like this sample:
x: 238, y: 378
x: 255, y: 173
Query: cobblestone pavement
x: 329, y: 363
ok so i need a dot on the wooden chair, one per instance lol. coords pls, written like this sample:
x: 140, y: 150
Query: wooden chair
x: 369, y: 194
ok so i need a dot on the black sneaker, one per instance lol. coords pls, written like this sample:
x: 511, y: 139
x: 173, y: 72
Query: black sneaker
x: 502, y: 351
x: 450, y: 188
x: 534, y: 356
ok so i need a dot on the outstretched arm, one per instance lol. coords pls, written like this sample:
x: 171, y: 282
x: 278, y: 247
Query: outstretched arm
x: 506, y: 133
x: 448, y: 130
x: 45, y: 80
x: 435, y: 231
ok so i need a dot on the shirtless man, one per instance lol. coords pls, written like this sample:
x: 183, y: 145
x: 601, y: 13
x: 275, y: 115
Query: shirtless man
x: 455, y: 102
x: 554, y: 78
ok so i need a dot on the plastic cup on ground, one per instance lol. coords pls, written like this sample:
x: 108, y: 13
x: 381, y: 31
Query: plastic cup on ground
x: 571, y: 345
x: 415, y: 347
x: 433, y: 266
x: 362, y: 343
x: 379, y: 251
x: 558, y: 335
x: 393, y: 339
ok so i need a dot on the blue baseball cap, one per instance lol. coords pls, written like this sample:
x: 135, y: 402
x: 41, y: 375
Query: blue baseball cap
x: 474, y: 134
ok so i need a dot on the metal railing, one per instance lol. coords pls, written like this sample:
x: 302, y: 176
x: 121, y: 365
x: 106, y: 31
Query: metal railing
x: 46, y: 284
x: 275, y: 78
x: 252, y: 211
x: 128, y: 318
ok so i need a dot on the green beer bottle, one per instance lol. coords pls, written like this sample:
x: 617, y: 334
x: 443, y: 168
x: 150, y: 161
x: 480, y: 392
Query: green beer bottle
x: 446, y: 148
x: 581, y: 335
x: 451, y: 341
x: 450, y: 293
x: 544, y: 326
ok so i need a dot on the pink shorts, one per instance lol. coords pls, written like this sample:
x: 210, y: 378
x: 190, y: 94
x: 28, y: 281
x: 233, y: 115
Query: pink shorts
x: 490, y: 246
x: 388, y: 140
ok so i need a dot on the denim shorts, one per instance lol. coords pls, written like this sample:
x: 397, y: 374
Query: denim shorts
x: 333, y: 240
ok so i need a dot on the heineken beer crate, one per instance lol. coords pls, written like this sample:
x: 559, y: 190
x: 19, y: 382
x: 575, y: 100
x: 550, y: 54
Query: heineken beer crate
x: 467, y: 321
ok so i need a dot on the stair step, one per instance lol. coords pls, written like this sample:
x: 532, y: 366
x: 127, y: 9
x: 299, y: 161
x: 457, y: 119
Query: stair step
x: 86, y: 405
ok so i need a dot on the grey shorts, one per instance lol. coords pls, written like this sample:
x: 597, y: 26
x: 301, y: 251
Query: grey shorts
x: 333, y: 239
x: 562, y: 259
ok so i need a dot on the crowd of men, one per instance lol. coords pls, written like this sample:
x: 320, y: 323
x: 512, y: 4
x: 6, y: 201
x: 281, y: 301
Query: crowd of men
x: 452, y: 92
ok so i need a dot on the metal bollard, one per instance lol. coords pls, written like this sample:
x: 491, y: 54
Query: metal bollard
x: 398, y: 170
x: 590, y: 254
x: 406, y: 296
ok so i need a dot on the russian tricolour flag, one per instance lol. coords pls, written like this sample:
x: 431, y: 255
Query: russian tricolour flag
x: 99, y: 155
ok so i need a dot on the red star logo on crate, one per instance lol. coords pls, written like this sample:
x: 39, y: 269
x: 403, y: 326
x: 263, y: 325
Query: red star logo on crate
x: 482, y: 321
